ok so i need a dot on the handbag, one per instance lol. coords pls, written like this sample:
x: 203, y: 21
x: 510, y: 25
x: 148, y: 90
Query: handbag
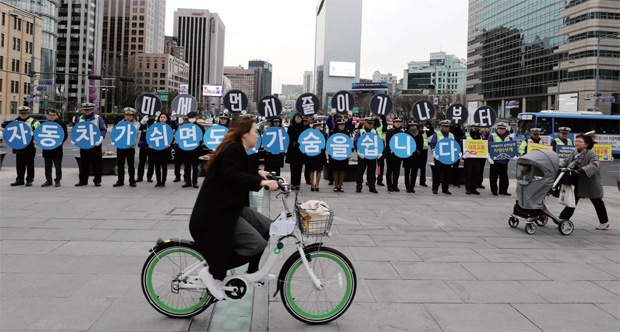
x: 567, y: 196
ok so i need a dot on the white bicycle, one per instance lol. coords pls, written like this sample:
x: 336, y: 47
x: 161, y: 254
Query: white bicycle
x: 317, y: 284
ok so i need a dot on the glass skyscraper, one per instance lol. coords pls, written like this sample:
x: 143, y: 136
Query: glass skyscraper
x: 337, y: 46
x: 541, y: 55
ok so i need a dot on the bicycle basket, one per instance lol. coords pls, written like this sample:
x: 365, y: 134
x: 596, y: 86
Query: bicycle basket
x: 313, y: 222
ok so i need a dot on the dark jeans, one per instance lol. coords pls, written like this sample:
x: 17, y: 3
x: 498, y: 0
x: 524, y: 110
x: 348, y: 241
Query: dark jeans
x: 90, y: 158
x: 481, y: 171
x: 25, y: 163
x: 57, y: 161
x: 128, y: 155
x: 380, y: 168
x: 144, y: 155
x: 441, y: 176
x: 370, y: 168
x: 161, y: 172
x: 411, y: 172
x: 274, y: 169
x: 393, y: 171
x: 178, y: 161
x: 501, y: 171
x: 296, y: 169
x: 423, y: 161
x: 190, y: 175
x: 599, y: 206
x: 306, y: 174
x: 472, y: 173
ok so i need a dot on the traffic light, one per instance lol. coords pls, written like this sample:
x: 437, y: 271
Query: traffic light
x: 26, y: 103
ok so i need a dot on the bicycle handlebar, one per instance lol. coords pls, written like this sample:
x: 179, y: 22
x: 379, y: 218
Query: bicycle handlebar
x: 282, y: 185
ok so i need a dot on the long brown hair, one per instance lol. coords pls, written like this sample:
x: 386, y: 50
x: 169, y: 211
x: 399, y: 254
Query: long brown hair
x: 239, y: 127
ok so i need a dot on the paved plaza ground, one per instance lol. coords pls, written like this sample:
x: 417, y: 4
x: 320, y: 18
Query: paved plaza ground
x: 70, y: 260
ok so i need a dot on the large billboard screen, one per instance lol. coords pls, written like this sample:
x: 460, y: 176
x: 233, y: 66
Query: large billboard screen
x: 212, y: 90
x: 438, y: 58
x: 341, y: 69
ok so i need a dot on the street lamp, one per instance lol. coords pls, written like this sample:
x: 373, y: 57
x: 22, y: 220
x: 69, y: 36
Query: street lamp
x: 557, y: 97
x: 598, y: 55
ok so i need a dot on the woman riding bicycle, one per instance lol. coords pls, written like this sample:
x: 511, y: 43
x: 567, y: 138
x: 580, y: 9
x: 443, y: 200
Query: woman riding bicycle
x: 226, y: 231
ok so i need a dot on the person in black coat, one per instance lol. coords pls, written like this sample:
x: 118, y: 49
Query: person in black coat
x: 226, y: 231
x: 274, y: 162
x: 190, y: 158
x: 55, y: 155
x: 160, y: 158
x: 393, y: 161
x: 294, y: 156
x: 24, y: 158
x: 315, y: 164
x: 459, y: 135
x: 339, y: 167
x: 415, y: 161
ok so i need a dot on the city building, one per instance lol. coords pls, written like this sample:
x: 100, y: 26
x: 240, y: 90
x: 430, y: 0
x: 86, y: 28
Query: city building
x: 446, y: 76
x: 246, y: 80
x: 45, y: 14
x: 291, y: 89
x: 308, y: 81
x: 337, y: 46
x: 388, y: 78
x: 20, y: 42
x: 172, y: 47
x: 264, y: 73
x: 541, y: 55
x: 160, y: 71
x: 79, y: 41
x: 202, y: 34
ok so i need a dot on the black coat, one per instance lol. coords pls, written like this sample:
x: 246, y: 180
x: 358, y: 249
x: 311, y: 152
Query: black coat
x: 388, y: 136
x: 339, y: 165
x: 293, y: 154
x: 57, y: 152
x: 316, y: 163
x: 30, y: 148
x: 224, y: 193
x: 414, y: 159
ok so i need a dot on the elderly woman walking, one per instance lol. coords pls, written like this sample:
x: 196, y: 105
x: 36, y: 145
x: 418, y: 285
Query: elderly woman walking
x: 587, y: 179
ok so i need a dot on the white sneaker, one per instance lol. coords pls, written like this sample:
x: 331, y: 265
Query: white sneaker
x: 603, y: 226
x: 214, y: 286
x: 268, y: 278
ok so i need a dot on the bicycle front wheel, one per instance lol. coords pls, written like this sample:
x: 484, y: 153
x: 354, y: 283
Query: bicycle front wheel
x: 309, y: 304
x: 162, y: 281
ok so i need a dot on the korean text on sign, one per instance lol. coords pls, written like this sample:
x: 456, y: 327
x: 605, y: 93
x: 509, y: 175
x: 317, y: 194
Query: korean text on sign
x: 339, y: 146
x: 370, y: 145
x: 17, y: 135
x: 49, y: 135
x: 123, y: 134
x: 214, y: 136
x: 188, y: 136
x: 275, y: 140
x: 85, y: 135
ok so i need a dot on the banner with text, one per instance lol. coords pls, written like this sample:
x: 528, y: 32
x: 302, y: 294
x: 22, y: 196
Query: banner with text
x: 603, y: 151
x: 531, y: 146
x: 503, y: 150
x: 475, y: 148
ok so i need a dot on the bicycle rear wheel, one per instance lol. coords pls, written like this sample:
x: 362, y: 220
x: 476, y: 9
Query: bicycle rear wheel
x: 301, y: 298
x: 161, y: 281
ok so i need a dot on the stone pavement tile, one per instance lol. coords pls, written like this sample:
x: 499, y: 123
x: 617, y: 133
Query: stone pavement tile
x: 571, y: 291
x: 81, y: 248
x: 412, y: 291
x: 105, y: 265
x: 386, y: 254
x: 281, y: 321
x: 479, y: 317
x: 472, y: 242
x: 46, y: 285
x: 28, y: 247
x: 612, y: 242
x: 611, y: 308
x: 469, y: 231
x: 571, y: 271
x: 24, y: 314
x: 375, y: 270
x: 432, y: 271
x: 364, y: 229
x: 429, y: 231
x: 20, y: 222
x: 612, y: 286
x: 456, y: 255
x: 141, y: 234
x: 511, y: 255
x: 503, y: 230
x: 338, y: 220
x: 170, y: 224
x: 503, y: 271
x: 119, y: 214
x: 137, y: 315
x: 612, y: 255
x: 126, y: 224
x: 573, y: 256
x: 611, y: 268
x: 71, y: 213
x: 426, y: 221
x: 25, y: 233
x: 67, y: 223
x: 349, y: 240
x: 363, y: 293
x: 516, y: 243
x: 381, y: 221
x: 80, y: 234
x: 401, y: 241
x: 569, y: 317
x: 339, y: 211
x: 139, y: 249
x: 109, y: 286
x: 491, y: 291
x: 568, y: 243
x: 373, y: 317
x: 33, y: 263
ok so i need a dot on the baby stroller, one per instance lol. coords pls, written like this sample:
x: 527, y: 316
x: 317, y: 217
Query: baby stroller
x: 536, y: 180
